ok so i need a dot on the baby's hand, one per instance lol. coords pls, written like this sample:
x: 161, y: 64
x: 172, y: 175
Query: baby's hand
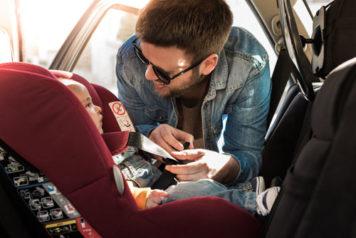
x: 155, y: 197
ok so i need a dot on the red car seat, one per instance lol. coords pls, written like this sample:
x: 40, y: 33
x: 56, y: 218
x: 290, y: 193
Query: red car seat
x: 44, y: 123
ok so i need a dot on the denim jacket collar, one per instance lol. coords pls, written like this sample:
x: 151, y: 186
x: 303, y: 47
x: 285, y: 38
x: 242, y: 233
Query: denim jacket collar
x: 218, y: 77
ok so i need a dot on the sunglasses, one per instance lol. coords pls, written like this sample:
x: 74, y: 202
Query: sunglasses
x: 162, y: 75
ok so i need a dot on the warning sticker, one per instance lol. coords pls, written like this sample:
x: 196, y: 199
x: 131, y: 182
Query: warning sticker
x: 121, y: 115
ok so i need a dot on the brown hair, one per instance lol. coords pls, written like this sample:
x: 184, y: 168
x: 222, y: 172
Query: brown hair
x: 199, y: 27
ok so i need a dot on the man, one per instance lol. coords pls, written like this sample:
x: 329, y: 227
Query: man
x: 185, y: 72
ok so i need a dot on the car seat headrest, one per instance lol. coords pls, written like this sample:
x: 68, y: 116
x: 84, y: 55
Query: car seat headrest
x: 22, y: 67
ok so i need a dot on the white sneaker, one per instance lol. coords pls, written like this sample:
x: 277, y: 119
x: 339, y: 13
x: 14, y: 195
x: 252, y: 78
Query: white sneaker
x: 258, y: 185
x: 265, y: 200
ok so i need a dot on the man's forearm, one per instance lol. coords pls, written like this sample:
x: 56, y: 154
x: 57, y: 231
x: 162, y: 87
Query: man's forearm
x: 228, y: 172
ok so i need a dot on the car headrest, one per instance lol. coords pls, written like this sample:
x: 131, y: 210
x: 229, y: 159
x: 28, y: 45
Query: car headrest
x: 47, y: 126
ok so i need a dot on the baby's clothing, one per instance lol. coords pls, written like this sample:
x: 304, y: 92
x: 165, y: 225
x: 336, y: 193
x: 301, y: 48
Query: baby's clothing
x: 242, y: 194
x: 143, y: 174
x: 139, y: 172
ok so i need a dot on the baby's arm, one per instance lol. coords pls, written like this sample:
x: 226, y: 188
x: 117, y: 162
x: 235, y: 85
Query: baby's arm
x: 146, y: 197
x: 155, y: 197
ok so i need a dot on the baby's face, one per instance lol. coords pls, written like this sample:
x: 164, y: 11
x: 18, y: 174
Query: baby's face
x: 81, y: 92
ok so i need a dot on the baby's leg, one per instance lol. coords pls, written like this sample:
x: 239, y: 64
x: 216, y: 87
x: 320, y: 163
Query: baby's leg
x: 203, y: 187
x: 243, y: 195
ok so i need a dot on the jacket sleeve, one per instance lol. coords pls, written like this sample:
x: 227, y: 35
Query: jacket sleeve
x: 127, y: 90
x: 246, y: 123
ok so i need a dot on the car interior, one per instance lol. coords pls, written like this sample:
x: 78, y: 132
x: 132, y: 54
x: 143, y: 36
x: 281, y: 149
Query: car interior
x: 100, y: 194
x: 293, y: 67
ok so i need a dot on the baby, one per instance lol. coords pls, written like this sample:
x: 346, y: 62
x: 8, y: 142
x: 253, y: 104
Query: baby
x: 144, y: 197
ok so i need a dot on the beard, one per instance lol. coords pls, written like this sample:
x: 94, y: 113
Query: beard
x: 195, y: 81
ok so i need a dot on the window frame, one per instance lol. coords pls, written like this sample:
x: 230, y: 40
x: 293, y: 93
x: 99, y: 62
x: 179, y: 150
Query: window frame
x: 73, y: 46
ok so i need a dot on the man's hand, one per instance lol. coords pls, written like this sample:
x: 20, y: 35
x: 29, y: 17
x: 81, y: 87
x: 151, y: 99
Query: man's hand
x: 155, y: 197
x: 204, y: 164
x: 170, y: 138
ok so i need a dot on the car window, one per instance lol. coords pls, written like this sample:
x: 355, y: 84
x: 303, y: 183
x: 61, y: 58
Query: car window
x: 303, y: 13
x: 316, y: 4
x: 244, y: 17
x: 45, y: 25
x: 97, y: 61
x: 5, y: 47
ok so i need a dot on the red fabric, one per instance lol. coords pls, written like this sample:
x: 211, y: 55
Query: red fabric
x: 34, y: 69
x: 109, y: 120
x: 43, y: 122
x: 116, y: 141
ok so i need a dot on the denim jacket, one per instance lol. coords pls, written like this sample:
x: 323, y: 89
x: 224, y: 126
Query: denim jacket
x: 234, y: 108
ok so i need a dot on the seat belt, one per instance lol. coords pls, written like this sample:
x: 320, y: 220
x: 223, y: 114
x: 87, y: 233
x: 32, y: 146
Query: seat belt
x: 280, y: 77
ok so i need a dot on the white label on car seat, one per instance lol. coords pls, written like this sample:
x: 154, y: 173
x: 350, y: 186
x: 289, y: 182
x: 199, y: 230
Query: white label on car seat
x: 121, y: 115
x: 119, y: 181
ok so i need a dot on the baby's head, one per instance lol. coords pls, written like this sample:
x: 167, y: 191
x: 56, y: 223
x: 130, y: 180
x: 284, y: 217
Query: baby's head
x: 81, y: 92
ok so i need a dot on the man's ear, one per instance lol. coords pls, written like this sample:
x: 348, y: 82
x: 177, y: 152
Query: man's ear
x: 209, y: 64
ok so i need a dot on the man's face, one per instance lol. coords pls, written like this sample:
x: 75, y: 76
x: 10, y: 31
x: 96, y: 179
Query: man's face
x: 173, y: 61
